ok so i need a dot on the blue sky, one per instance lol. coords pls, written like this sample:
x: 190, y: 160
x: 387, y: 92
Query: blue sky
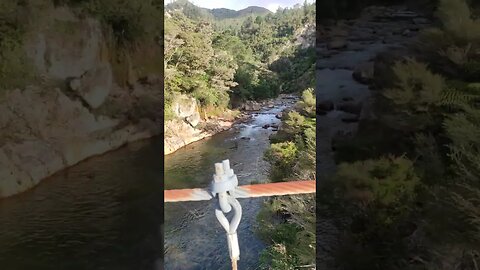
x: 240, y: 4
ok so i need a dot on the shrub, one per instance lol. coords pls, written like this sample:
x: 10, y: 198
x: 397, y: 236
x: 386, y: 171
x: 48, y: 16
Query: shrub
x: 294, y: 122
x: 471, y: 70
x: 130, y: 21
x: 457, y: 21
x: 289, y: 224
x: 308, y: 102
x: 415, y: 96
x: 386, y: 182
x: 416, y: 86
x: 464, y: 131
x: 282, y: 157
x: 14, y: 68
x: 456, y: 41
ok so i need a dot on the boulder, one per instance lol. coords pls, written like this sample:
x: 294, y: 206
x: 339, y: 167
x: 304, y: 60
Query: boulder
x: 337, y: 43
x: 364, y: 73
x: 420, y: 21
x: 407, y: 33
x: 350, y: 119
x: 325, y: 106
x: 350, y: 107
x: 338, y: 32
x: 278, y: 115
x: 252, y: 106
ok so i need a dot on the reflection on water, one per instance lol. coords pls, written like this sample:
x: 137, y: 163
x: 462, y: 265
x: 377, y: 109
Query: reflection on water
x: 104, y: 213
x: 193, y: 237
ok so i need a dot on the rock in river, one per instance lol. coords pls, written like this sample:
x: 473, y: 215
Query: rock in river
x: 364, y: 73
x: 350, y: 107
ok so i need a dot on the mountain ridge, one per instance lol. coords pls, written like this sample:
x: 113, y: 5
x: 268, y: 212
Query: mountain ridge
x: 217, y: 13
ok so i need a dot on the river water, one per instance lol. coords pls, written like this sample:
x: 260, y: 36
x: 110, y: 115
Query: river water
x: 106, y: 212
x: 193, y: 237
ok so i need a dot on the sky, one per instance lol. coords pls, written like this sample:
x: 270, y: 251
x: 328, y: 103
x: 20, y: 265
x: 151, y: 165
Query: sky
x: 240, y: 4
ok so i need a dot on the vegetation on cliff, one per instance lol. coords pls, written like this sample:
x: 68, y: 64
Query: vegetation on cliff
x: 411, y: 202
x: 132, y: 29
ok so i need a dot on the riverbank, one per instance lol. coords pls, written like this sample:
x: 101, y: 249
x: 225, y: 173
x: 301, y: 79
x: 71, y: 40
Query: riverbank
x: 188, y: 127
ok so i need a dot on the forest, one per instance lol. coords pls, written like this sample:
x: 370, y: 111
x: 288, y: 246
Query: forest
x: 223, y: 61
x: 407, y: 189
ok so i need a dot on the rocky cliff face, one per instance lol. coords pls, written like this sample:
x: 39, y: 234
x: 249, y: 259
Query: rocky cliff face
x: 75, y: 109
x: 188, y: 127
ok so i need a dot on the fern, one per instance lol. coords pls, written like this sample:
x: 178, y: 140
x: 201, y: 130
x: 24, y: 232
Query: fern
x: 464, y: 131
x: 454, y: 99
x: 469, y: 205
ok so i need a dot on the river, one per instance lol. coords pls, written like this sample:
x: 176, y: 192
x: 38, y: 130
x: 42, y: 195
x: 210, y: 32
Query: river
x: 193, y: 237
x: 104, y: 213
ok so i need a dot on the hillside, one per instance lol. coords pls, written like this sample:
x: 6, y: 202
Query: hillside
x: 224, y: 13
x: 194, y: 12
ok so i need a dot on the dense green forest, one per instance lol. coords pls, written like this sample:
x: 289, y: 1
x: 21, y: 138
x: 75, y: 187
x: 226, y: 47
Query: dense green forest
x: 219, y: 61
x: 407, y: 191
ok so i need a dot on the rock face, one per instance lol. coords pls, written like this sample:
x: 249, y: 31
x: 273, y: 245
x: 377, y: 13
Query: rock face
x: 306, y: 37
x: 47, y: 132
x: 46, y: 127
x: 95, y: 85
x: 68, y: 52
x: 187, y: 126
x: 186, y: 108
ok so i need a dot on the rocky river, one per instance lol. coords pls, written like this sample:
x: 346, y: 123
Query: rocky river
x: 353, y: 56
x: 193, y: 237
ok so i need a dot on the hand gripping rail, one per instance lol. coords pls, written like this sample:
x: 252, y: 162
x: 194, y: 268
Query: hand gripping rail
x: 225, y: 187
